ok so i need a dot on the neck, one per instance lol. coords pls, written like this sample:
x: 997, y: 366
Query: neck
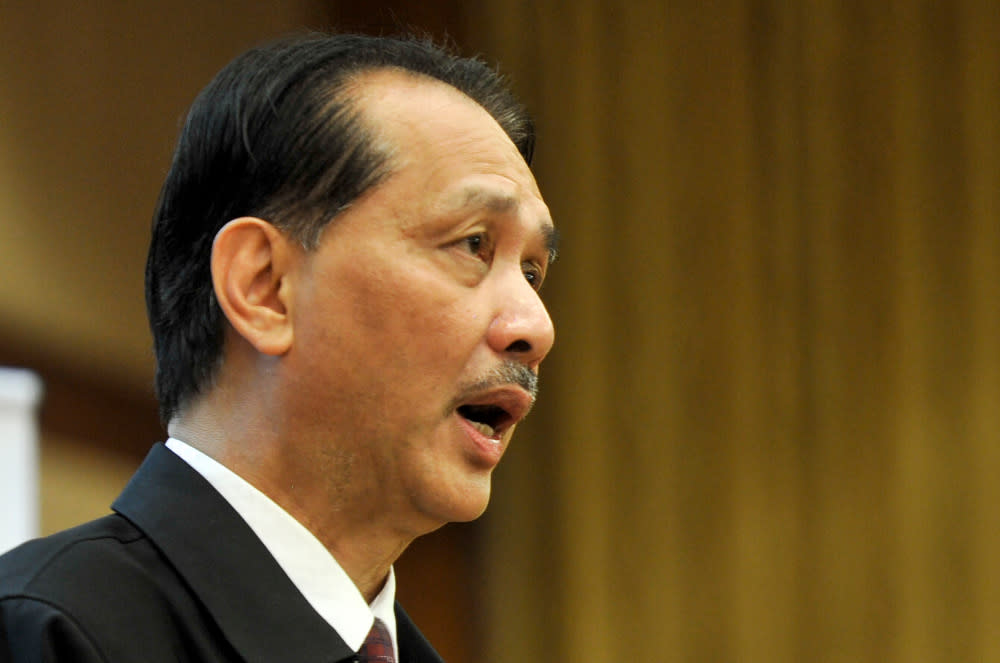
x: 353, y: 530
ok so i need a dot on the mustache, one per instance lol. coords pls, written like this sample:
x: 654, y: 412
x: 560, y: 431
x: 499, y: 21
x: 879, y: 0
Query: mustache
x: 506, y: 374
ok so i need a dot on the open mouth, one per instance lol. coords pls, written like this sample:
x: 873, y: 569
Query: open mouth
x: 490, y: 420
x: 494, y: 412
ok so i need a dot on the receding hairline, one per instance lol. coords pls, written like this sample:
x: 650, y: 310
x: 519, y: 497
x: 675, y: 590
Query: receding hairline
x: 362, y: 91
x: 365, y: 87
x: 374, y: 75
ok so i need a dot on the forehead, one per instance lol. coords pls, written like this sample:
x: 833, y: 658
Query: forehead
x: 431, y: 128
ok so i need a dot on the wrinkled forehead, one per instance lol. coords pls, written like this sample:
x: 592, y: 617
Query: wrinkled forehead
x: 445, y: 151
x: 406, y: 109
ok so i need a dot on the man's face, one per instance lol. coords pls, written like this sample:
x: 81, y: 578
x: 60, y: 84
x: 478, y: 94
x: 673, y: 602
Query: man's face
x: 417, y: 321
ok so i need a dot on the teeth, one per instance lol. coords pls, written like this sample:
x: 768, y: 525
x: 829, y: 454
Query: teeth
x: 483, y: 428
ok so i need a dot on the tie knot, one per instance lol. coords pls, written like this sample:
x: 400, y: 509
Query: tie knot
x: 378, y: 645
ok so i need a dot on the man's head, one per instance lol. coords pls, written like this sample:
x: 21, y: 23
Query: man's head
x: 364, y: 324
x: 278, y: 135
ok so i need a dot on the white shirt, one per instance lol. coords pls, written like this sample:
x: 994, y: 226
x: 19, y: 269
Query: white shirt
x: 306, y: 561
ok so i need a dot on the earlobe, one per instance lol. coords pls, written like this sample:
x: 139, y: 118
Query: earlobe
x: 250, y: 274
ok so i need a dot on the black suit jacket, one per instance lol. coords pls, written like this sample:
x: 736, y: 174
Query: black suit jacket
x: 175, y: 574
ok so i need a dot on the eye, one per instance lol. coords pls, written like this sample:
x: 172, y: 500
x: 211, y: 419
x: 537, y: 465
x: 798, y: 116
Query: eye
x: 478, y: 245
x: 533, y: 275
x: 474, y: 243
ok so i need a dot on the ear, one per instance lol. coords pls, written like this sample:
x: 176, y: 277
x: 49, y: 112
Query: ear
x: 251, y: 260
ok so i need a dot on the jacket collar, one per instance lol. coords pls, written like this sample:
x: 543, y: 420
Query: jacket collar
x: 263, y: 616
x: 253, y: 602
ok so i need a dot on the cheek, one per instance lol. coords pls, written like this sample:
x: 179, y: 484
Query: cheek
x: 405, y: 320
x: 391, y: 323
x: 413, y: 298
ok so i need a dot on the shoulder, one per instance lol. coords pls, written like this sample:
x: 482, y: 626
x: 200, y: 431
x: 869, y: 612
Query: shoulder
x: 100, y: 591
x: 32, y: 629
x: 70, y: 562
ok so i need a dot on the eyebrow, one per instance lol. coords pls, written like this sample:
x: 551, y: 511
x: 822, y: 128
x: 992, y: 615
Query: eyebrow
x: 501, y: 203
x: 493, y: 201
x: 551, y: 235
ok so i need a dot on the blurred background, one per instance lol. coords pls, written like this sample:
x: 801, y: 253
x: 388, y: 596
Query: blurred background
x: 770, y: 428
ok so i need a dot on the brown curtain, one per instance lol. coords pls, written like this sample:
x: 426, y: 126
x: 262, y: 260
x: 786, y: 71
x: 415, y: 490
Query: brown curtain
x: 769, y: 430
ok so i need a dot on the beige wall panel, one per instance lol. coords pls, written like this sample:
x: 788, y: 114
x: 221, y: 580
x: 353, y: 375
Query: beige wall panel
x: 78, y: 482
x: 92, y: 98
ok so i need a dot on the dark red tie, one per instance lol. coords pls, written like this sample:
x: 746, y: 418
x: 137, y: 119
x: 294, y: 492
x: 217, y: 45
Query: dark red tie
x: 378, y: 645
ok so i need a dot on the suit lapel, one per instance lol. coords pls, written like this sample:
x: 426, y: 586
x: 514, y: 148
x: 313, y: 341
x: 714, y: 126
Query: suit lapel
x: 253, y: 602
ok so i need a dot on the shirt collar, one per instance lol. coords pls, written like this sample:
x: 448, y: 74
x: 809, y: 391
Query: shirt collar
x: 306, y: 561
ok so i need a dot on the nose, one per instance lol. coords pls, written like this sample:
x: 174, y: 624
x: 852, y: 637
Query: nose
x: 522, y: 329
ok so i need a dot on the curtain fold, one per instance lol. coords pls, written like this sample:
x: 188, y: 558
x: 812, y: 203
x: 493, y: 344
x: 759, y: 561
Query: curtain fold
x: 769, y: 429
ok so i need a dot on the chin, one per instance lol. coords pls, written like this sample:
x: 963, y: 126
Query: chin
x: 461, y: 505
x: 472, y: 513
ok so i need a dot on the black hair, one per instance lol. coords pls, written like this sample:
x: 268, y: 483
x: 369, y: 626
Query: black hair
x: 277, y: 135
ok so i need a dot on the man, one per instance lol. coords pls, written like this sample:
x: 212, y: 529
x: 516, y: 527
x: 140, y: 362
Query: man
x: 343, y: 290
